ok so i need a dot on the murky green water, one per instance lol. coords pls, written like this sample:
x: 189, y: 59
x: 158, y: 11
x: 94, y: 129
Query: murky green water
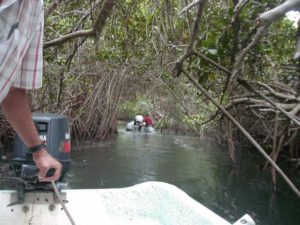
x: 200, y: 168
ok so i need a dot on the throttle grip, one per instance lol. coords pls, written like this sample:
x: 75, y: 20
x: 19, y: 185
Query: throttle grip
x: 50, y: 172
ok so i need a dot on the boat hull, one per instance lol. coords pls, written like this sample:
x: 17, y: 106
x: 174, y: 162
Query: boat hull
x: 131, y: 127
x: 150, y: 203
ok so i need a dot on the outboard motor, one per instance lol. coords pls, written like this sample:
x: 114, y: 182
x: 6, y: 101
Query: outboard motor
x: 54, y: 130
x: 138, y: 122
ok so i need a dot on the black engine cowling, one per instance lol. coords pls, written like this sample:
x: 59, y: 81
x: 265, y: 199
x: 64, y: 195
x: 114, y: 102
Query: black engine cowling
x: 54, y: 130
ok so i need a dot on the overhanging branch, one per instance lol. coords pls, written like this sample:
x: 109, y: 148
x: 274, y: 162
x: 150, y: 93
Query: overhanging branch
x: 94, y: 32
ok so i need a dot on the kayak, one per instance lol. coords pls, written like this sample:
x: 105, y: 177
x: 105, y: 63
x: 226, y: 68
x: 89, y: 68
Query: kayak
x: 149, y: 203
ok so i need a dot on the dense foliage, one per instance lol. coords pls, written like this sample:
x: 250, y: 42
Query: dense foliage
x: 135, y: 63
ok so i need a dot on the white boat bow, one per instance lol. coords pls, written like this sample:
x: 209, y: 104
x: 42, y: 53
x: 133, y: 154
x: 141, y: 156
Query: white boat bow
x: 149, y: 203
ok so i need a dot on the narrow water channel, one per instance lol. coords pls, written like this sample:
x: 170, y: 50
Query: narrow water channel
x: 200, y: 168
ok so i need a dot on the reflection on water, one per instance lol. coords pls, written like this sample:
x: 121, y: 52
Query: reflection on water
x: 199, y: 168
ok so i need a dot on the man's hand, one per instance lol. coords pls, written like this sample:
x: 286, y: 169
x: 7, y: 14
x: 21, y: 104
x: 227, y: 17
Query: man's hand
x: 44, y: 162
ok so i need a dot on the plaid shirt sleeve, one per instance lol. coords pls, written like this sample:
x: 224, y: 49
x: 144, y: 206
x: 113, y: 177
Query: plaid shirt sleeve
x: 21, y: 45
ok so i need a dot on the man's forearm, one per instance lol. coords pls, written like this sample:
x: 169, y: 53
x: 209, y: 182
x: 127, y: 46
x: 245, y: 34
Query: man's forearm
x: 17, y: 111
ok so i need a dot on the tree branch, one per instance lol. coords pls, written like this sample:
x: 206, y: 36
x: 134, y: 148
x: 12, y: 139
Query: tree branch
x: 189, y: 50
x: 279, y: 11
x: 279, y: 95
x: 248, y: 86
x: 52, y: 7
x: 249, y: 137
x: 189, y: 6
x: 67, y: 37
x: 94, y: 32
x: 239, y: 60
